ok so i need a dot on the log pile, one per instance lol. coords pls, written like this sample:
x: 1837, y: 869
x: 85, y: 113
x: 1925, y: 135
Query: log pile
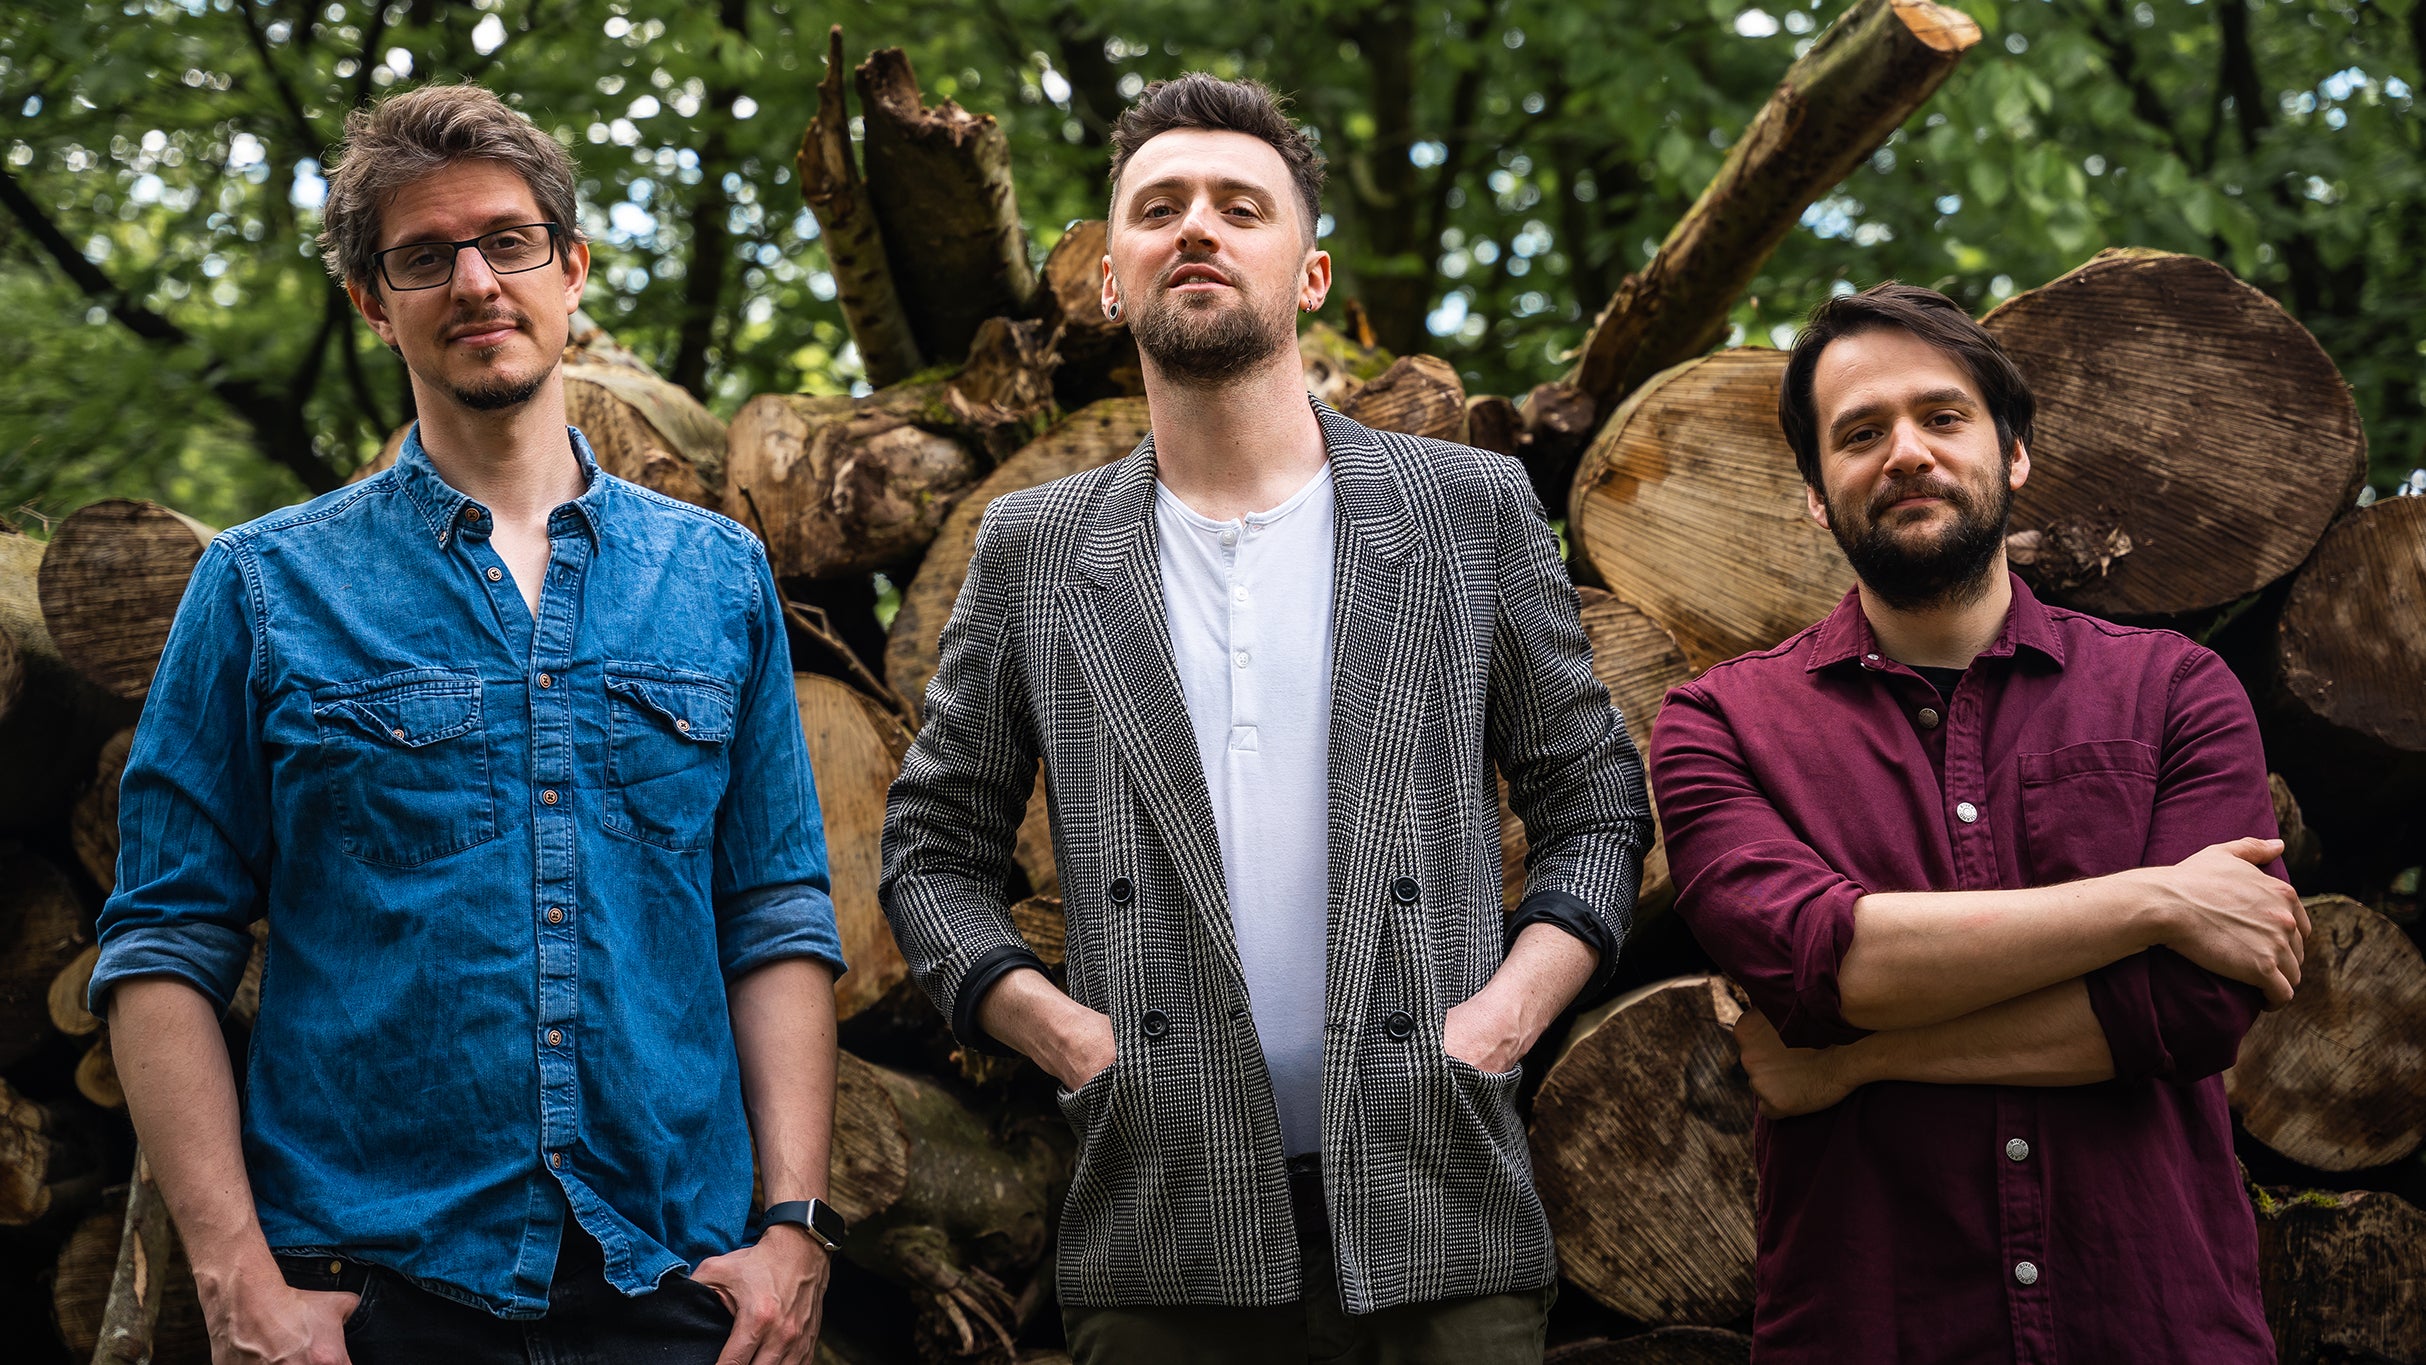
x: 2195, y: 465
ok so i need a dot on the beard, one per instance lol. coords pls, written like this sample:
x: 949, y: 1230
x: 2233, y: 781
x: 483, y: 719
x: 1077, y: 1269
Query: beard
x: 493, y: 393
x: 1204, y: 340
x: 1913, y: 571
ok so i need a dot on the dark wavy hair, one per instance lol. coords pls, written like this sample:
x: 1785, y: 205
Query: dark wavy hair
x: 1923, y: 313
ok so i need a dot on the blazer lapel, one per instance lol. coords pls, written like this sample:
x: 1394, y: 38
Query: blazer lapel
x: 1115, y: 622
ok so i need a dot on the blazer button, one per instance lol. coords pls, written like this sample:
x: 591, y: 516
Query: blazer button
x: 1156, y: 1024
x: 1400, y: 1024
x: 1405, y: 891
x: 1121, y: 890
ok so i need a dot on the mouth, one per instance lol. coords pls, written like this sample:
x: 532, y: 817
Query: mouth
x: 1197, y: 278
x: 483, y: 334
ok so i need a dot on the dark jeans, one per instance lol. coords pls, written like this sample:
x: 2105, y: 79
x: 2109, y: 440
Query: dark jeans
x: 1491, y: 1329
x: 589, y: 1322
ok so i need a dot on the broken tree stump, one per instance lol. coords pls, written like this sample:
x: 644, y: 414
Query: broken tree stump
x: 1642, y: 1149
x: 848, y: 231
x: 1098, y: 356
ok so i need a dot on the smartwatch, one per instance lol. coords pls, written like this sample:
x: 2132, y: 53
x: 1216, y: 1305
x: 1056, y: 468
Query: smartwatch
x: 815, y: 1217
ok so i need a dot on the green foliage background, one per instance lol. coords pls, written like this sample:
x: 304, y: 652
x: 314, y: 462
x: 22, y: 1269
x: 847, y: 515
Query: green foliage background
x: 1497, y: 167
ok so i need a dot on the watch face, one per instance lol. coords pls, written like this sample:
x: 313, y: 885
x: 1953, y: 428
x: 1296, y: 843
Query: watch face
x: 826, y: 1223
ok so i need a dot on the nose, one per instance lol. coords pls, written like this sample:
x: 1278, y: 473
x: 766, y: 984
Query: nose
x: 1909, y: 454
x: 1197, y: 227
x: 473, y: 278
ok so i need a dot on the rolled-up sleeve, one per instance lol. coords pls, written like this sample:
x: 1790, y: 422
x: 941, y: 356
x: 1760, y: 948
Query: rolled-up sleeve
x: 193, y: 806
x: 2165, y: 1017
x: 773, y: 897
x: 1765, y: 906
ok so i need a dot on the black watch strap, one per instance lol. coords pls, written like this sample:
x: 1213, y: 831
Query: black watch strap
x: 816, y: 1217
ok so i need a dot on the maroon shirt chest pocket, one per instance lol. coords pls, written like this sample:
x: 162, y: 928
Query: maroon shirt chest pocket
x: 2086, y: 808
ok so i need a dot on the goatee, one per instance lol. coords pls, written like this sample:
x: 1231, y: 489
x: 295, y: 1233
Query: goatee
x: 1207, y: 344
x: 1947, y: 569
x: 496, y: 395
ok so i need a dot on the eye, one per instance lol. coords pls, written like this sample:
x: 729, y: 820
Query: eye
x: 1155, y: 211
x: 1945, y: 418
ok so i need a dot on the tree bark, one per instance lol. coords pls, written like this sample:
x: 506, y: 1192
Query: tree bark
x: 2302, y: 850
x: 2174, y: 403
x: 1642, y: 1143
x: 59, y: 721
x: 1337, y: 365
x: 1494, y: 424
x: 1664, y: 1346
x: 1843, y: 98
x: 41, y: 932
x: 1098, y: 356
x: 847, y: 228
x: 837, y: 486
x: 1098, y: 435
x: 1688, y: 507
x: 2350, y: 649
x: 2343, y: 1275
x: 110, y: 583
x: 1420, y: 395
x: 146, y: 1270
x: 940, y: 180
x: 2337, y: 1079
x: 856, y: 748
x: 45, y: 1166
x: 92, y: 825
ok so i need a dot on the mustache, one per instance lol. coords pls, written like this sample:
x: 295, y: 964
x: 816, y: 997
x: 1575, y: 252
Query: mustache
x: 1922, y: 486
x: 1202, y: 260
x: 483, y: 321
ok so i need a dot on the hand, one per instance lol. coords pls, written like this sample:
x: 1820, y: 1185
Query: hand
x: 1083, y: 1047
x: 258, y: 1319
x: 1483, y: 1035
x: 2225, y: 914
x: 776, y: 1291
x: 1790, y: 1080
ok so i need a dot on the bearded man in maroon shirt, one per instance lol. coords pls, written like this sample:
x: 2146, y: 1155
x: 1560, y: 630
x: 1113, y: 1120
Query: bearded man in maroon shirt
x: 2001, y: 880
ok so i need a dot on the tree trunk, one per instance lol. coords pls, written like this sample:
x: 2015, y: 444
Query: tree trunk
x: 1855, y: 86
x: 856, y: 748
x: 1665, y: 1346
x: 938, y: 1206
x: 2344, y: 1276
x: 1420, y: 395
x: 940, y: 180
x: 1098, y: 356
x: 58, y: 719
x: 1098, y: 435
x: 1688, y: 506
x: 847, y: 228
x: 1642, y: 1145
x: 2168, y: 392
x: 111, y: 581
x: 81, y: 1291
x: 92, y: 824
x: 41, y: 932
x: 44, y: 1165
x: 2337, y: 1079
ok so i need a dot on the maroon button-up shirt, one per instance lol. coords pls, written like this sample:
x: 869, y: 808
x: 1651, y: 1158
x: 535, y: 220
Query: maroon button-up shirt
x: 1922, y: 1223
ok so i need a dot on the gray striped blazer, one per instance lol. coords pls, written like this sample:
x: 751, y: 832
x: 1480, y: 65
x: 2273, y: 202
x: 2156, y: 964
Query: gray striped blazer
x: 1456, y: 647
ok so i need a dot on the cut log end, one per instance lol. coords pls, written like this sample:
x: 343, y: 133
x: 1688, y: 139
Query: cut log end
x: 1419, y: 395
x: 2341, y: 653
x: 111, y: 582
x: 1941, y: 28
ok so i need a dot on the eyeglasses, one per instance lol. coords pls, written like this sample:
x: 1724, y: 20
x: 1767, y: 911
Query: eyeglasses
x: 509, y: 251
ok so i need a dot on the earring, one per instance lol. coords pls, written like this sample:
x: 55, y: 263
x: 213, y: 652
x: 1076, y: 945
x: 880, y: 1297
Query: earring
x: 1113, y: 310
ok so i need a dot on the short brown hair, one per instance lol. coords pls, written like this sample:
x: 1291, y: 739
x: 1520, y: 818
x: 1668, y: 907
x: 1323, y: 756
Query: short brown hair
x: 406, y: 136
x: 1200, y: 100
x: 1923, y: 313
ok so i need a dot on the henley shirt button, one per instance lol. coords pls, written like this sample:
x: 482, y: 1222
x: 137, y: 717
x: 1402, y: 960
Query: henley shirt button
x: 1239, y: 593
x: 1155, y: 1023
x: 547, y: 680
x: 1927, y: 718
x: 1120, y: 890
x: 495, y: 574
x: 1229, y: 537
x: 555, y: 914
x: 548, y: 797
x: 1405, y: 891
x: 555, y: 1037
x: 1966, y: 812
x: 1399, y: 1025
x: 1244, y: 658
x: 2026, y: 1273
x: 2016, y: 1150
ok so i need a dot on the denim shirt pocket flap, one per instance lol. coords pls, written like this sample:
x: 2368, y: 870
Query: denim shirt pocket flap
x: 409, y: 714
x: 696, y: 708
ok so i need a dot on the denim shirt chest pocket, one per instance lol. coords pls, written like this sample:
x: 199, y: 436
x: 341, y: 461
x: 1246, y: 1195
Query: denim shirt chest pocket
x: 408, y: 762
x: 667, y: 732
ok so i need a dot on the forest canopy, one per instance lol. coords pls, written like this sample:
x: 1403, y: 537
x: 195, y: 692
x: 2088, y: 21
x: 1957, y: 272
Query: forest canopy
x: 1497, y: 167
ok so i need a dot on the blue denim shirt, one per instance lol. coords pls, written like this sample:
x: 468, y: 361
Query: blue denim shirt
x: 509, y: 869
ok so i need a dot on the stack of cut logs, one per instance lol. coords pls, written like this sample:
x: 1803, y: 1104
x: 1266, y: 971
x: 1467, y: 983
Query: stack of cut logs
x: 2197, y: 466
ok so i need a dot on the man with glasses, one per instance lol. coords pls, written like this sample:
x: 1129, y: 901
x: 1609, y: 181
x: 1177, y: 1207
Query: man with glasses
x: 505, y: 752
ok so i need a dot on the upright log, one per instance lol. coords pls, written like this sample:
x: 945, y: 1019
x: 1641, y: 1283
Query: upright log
x: 41, y: 932
x: 2337, y: 1079
x: 855, y: 748
x: 1097, y: 435
x: 1856, y: 85
x: 2343, y: 1276
x: 111, y: 582
x: 848, y: 230
x: 2193, y: 439
x: 1420, y: 395
x: 1642, y: 1146
x: 1098, y: 356
x: 940, y: 179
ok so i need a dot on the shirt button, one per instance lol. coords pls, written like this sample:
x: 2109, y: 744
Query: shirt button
x: 2026, y: 1273
x: 547, y: 680
x: 470, y: 515
x: 395, y: 734
x: 495, y: 574
x: 555, y: 914
x: 683, y: 725
x: 1966, y: 812
x: 2017, y: 1150
x: 548, y: 797
x: 1927, y: 717
x: 1229, y: 536
x: 555, y: 1037
x: 1243, y: 658
x: 556, y: 1159
x: 1239, y: 593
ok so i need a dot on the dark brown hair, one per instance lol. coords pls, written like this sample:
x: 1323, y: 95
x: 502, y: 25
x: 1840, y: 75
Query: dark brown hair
x: 1199, y: 100
x: 400, y: 139
x: 1923, y: 313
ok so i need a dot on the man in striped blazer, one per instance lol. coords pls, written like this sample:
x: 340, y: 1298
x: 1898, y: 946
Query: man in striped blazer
x: 1269, y: 661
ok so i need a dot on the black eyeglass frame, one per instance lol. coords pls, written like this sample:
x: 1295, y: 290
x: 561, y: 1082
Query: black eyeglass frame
x: 555, y: 231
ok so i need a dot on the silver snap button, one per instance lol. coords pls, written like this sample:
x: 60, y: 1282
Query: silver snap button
x: 495, y: 574
x: 1966, y: 812
x: 1928, y: 717
x: 2017, y: 1150
x: 2026, y: 1273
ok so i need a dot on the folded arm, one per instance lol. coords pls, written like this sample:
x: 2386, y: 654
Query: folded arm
x: 2049, y: 1036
